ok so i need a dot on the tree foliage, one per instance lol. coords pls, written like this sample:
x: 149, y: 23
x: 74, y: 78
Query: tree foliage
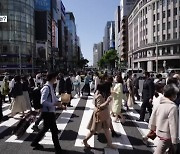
x: 83, y: 62
x: 108, y: 59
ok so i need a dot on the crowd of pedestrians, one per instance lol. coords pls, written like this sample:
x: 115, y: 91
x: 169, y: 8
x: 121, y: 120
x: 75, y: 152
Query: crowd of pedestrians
x: 112, y: 94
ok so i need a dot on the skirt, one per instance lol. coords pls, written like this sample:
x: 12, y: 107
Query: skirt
x: 18, y: 104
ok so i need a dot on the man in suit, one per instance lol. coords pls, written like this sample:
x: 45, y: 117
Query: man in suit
x: 147, y: 96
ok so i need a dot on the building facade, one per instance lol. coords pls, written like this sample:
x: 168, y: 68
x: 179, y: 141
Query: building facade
x: 125, y: 9
x: 97, y: 53
x: 72, y: 50
x: 154, y: 35
x: 17, y: 43
x: 109, y: 36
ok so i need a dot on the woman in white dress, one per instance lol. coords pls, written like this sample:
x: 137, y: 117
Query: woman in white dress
x: 25, y: 87
x: 117, y: 99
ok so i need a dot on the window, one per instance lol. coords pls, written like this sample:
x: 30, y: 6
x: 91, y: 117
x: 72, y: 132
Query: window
x: 158, y: 38
x: 154, y: 28
x: 153, y: 6
x: 157, y: 16
x: 164, y: 14
x: 154, y: 17
x: 157, y: 4
x: 168, y: 36
x: 146, y: 21
x: 175, y: 35
x: 168, y: 13
x: 169, y: 25
x: 175, y: 11
x: 146, y: 10
x: 175, y: 23
x: 158, y: 27
x: 164, y: 37
x: 163, y: 26
x: 146, y: 31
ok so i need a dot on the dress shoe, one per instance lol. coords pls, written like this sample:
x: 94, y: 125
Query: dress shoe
x: 114, y: 134
x: 37, y: 146
x: 140, y: 120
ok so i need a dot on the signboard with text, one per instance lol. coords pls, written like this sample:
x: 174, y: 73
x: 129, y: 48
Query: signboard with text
x: 3, y: 18
x: 43, y: 5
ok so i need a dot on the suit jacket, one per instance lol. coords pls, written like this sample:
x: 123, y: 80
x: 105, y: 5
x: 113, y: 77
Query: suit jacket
x: 164, y: 120
x: 148, y: 89
x: 61, y: 86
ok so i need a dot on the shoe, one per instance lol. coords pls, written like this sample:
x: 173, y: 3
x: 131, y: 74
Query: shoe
x: 35, y: 128
x: 37, y: 146
x: 69, y: 105
x: 140, y: 120
x: 114, y: 134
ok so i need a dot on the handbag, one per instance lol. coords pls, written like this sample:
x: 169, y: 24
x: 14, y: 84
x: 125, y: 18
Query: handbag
x: 152, y: 135
x: 65, y: 98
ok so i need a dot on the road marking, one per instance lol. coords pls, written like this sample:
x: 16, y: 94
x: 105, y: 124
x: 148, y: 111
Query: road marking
x: 5, y: 105
x: 5, y: 125
x: 83, y: 131
x: 122, y: 141
x: 141, y: 126
x: 62, y: 122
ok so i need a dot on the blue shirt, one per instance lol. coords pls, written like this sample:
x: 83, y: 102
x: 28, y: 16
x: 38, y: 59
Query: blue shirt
x: 48, y: 98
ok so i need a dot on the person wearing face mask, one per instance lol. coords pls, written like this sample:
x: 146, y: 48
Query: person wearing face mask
x: 164, y: 121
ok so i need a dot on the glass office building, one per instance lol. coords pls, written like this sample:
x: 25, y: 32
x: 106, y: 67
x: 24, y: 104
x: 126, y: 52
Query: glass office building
x: 17, y: 36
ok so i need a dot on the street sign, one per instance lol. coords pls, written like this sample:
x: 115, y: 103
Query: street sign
x: 3, y: 18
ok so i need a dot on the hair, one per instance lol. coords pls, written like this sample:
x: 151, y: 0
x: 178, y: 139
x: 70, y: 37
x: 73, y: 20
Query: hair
x: 158, y: 89
x: 119, y: 79
x: 17, y: 78
x: 159, y: 76
x: 147, y: 74
x: 170, y: 90
x: 78, y: 73
x: 172, y: 80
x: 97, y: 74
x: 103, y: 89
x: 50, y: 76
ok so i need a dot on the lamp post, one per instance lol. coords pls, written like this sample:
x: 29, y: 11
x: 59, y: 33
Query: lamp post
x: 156, y: 58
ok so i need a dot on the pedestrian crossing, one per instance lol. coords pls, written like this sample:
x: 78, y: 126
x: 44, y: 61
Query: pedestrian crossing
x: 66, y: 116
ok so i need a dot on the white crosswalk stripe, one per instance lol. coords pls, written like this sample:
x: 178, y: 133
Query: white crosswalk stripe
x: 122, y: 142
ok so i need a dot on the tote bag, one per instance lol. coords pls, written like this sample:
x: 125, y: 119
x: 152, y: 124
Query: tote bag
x: 65, y: 98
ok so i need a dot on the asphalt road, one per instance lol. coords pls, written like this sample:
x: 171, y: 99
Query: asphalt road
x: 72, y: 123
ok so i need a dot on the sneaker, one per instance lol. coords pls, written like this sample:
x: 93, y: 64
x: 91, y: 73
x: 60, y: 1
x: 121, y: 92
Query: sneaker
x: 37, y: 146
x: 35, y: 128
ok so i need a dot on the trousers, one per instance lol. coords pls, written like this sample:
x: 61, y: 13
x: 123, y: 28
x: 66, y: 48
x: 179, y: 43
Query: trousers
x: 49, y: 123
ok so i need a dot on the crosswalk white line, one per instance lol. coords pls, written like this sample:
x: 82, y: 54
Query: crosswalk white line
x: 141, y: 126
x: 5, y: 105
x: 122, y: 141
x: 5, y: 125
x: 83, y: 131
x: 62, y: 122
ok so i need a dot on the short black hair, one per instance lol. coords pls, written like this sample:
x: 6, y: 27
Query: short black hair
x: 51, y: 75
x: 147, y: 74
x: 170, y: 90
